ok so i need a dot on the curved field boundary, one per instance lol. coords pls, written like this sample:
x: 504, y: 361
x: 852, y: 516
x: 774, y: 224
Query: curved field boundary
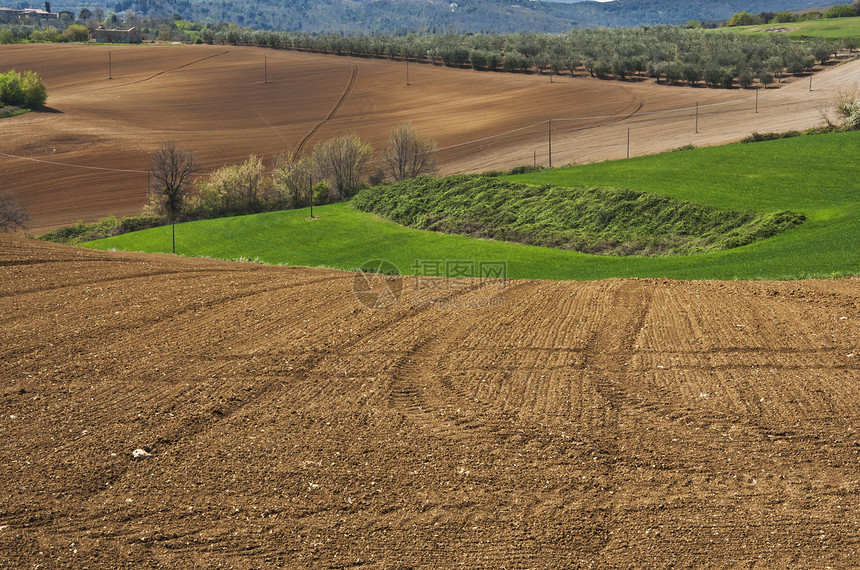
x: 353, y: 75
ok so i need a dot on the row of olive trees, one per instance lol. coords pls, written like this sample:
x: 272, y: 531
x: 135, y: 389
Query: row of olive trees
x: 662, y: 52
x: 329, y: 172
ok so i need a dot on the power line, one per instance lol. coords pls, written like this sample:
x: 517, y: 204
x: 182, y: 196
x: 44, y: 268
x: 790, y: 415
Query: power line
x: 66, y: 164
x: 634, y: 115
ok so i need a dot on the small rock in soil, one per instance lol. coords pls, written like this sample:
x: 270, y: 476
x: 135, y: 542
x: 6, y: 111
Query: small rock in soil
x: 140, y: 454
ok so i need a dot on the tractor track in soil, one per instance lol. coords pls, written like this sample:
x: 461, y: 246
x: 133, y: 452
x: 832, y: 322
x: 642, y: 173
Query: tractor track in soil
x: 353, y: 76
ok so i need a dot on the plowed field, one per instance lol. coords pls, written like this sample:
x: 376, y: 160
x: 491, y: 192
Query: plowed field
x: 89, y: 157
x: 622, y: 423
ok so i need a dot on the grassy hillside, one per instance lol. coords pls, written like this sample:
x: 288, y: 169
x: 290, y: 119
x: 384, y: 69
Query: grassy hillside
x: 831, y: 28
x: 816, y: 176
x: 606, y: 221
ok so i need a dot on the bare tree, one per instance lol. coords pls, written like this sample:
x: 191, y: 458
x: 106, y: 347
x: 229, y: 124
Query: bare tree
x: 294, y: 178
x: 408, y: 155
x: 12, y: 215
x: 170, y: 169
x: 342, y: 161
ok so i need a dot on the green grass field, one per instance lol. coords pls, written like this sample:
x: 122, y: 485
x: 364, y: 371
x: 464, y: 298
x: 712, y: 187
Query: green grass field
x: 817, y: 176
x: 832, y: 28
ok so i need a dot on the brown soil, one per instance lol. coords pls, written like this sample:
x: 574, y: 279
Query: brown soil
x: 214, y: 100
x: 623, y: 423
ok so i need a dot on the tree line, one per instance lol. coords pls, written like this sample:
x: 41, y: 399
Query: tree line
x: 667, y: 54
x: 331, y: 171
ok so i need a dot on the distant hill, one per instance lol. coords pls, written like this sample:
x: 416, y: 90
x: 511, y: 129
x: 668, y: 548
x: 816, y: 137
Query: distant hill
x: 438, y: 16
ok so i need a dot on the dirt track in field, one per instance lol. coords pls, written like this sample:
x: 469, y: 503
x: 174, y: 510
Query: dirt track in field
x: 217, y: 101
x: 622, y: 423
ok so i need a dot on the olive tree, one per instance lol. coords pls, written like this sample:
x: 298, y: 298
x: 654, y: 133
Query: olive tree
x: 407, y: 154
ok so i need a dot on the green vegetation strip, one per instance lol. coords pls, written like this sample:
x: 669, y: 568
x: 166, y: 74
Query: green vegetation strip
x: 830, y: 28
x: 816, y: 176
x: 10, y: 111
x: 607, y: 221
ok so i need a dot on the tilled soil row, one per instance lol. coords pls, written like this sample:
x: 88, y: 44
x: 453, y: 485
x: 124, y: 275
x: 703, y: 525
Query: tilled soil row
x: 520, y: 424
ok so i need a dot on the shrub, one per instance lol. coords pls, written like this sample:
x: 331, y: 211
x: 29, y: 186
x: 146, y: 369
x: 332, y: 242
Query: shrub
x: 842, y: 11
x: 48, y: 34
x: 76, y: 33
x: 848, y: 106
x: 106, y: 227
x: 322, y: 193
x: 524, y: 169
x: 22, y: 90
x: 759, y: 137
x: 744, y: 19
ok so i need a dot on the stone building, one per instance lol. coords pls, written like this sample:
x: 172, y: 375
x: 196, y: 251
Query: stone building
x: 117, y: 35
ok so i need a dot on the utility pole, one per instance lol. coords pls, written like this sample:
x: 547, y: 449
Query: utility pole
x: 110, y: 67
x: 697, y: 117
x: 549, y: 133
x: 311, y: 193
